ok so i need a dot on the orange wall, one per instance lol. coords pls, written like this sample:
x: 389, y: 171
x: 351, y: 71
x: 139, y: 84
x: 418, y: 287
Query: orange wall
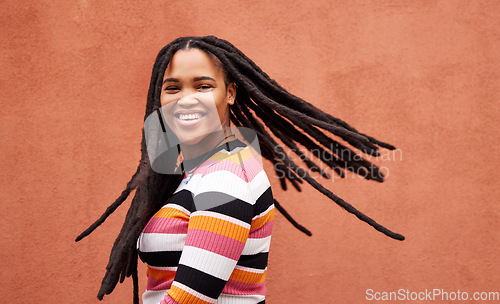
x: 422, y: 75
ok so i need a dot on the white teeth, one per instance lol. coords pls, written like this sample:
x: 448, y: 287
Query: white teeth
x: 189, y: 116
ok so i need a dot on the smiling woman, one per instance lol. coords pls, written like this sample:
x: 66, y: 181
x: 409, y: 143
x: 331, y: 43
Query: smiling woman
x: 204, y: 233
x: 195, y: 98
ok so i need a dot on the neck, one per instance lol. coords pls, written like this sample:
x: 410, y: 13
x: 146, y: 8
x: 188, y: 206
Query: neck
x: 207, y: 144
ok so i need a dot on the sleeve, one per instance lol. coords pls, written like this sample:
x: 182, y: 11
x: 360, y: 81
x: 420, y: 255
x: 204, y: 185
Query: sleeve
x: 217, y: 233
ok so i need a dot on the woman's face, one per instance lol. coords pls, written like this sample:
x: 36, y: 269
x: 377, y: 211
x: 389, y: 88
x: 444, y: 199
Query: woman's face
x: 194, y: 97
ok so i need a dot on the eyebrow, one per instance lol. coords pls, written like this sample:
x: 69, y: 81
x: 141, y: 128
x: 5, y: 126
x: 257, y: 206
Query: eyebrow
x: 195, y: 79
x: 203, y: 78
x: 170, y: 80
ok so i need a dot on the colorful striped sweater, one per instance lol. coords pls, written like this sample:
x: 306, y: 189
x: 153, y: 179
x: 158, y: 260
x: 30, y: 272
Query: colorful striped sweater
x: 210, y: 241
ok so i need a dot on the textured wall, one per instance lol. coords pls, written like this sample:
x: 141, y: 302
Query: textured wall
x: 422, y: 75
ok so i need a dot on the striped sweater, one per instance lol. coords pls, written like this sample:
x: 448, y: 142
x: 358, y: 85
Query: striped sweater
x: 210, y: 241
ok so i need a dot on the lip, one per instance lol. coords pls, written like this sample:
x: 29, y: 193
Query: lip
x: 191, y: 123
x: 187, y: 112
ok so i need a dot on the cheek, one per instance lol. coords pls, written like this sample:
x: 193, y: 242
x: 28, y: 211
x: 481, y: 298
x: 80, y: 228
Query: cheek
x: 223, y: 112
x: 165, y: 99
x: 212, y: 102
x: 223, y: 108
x: 221, y: 103
x: 166, y: 105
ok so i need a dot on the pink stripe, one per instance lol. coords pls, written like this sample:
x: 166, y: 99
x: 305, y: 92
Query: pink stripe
x: 204, y: 167
x: 239, y: 288
x: 155, y: 284
x: 166, y: 225
x: 252, y: 167
x: 263, y: 231
x: 168, y: 300
x: 227, y: 165
x: 216, y: 243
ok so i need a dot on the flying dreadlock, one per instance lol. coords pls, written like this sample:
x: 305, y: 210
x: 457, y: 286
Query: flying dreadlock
x: 291, y: 119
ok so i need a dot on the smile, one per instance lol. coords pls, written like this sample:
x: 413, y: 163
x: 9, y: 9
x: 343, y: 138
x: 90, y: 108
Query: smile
x: 189, y: 119
x: 189, y: 116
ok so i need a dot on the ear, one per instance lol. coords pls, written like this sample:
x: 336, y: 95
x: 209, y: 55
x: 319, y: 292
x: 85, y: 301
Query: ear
x: 231, y: 93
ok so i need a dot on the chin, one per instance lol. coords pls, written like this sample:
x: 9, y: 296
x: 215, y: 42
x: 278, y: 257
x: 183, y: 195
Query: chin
x: 191, y: 140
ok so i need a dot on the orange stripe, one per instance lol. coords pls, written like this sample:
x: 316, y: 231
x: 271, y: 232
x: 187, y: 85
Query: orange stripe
x: 219, y: 226
x: 172, y: 213
x: 259, y: 222
x: 182, y: 296
x: 247, y: 276
x: 236, y: 158
x: 161, y: 274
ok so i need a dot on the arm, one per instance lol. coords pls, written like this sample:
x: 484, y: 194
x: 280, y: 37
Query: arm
x: 217, y: 233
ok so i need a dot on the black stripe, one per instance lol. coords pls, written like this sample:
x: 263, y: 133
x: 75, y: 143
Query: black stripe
x: 236, y: 144
x: 264, y: 201
x: 183, y: 198
x: 161, y: 258
x: 200, y: 281
x: 258, y: 261
x: 237, y: 209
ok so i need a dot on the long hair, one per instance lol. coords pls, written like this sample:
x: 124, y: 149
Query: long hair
x: 262, y: 105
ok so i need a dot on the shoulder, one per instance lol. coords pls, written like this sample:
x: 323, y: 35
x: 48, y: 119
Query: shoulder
x: 242, y: 166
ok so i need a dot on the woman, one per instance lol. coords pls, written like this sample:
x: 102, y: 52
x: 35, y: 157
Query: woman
x: 205, y: 233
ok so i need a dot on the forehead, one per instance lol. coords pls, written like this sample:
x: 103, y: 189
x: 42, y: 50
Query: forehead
x: 192, y: 62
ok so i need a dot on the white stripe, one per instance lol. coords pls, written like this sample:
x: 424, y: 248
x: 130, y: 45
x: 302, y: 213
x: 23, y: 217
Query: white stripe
x: 178, y: 207
x: 222, y: 217
x: 156, y: 296
x: 227, y: 182
x: 239, y: 299
x: 222, y: 181
x: 216, y: 265
x: 194, y: 292
x: 254, y: 246
x: 150, y: 242
x: 248, y: 269
x: 259, y: 184
x: 263, y: 213
x: 235, y: 150
x: 153, y: 296
x: 174, y: 268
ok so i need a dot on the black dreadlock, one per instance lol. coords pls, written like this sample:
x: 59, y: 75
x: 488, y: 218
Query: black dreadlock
x: 274, y: 109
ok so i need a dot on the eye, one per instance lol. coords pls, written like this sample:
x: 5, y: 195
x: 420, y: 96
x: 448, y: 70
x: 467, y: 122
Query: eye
x: 204, y: 87
x: 171, y: 89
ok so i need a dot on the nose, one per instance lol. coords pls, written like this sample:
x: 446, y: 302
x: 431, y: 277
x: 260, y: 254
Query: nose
x: 187, y: 100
